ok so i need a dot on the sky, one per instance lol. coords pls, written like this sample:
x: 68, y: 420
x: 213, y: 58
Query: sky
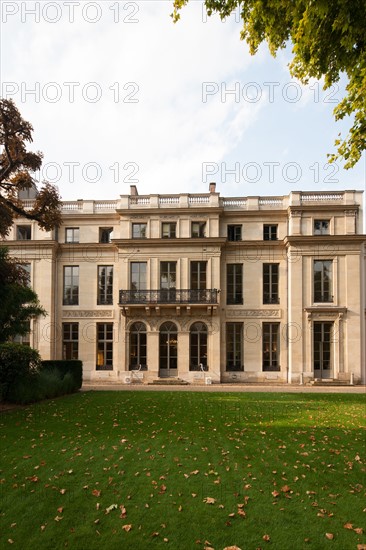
x: 118, y: 95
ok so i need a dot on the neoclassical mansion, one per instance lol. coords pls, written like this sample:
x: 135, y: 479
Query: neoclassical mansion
x: 201, y: 287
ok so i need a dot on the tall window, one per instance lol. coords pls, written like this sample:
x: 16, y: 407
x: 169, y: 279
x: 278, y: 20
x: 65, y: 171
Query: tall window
x: 269, y: 232
x: 70, y: 341
x: 234, y: 347
x: 234, y: 232
x: 105, y: 284
x: 321, y: 227
x: 105, y: 234
x: 24, y: 232
x: 168, y: 281
x: 138, y: 346
x: 138, y: 275
x: 105, y: 346
x: 71, y: 285
x: 270, y: 283
x: 198, y: 275
x: 234, y: 283
x: 72, y: 235
x: 198, y: 347
x: 168, y: 349
x: 168, y: 230
x: 271, y: 346
x: 27, y: 269
x: 323, y: 270
x: 23, y: 338
x: 322, y: 356
x: 198, y: 229
x: 139, y: 230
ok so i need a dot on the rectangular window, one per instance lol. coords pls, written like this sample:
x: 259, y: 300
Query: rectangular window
x: 72, y: 235
x: 70, y: 341
x: 105, y: 284
x: 234, y: 284
x: 323, y: 271
x: 138, y: 275
x: 105, y: 346
x: 105, y: 234
x: 139, y: 230
x: 234, y: 232
x: 27, y: 269
x: 23, y: 338
x: 198, y: 229
x: 321, y: 227
x: 168, y: 230
x: 270, y: 232
x: 24, y: 232
x: 71, y: 285
x: 271, y: 346
x: 198, y: 275
x: 234, y: 347
x: 270, y: 283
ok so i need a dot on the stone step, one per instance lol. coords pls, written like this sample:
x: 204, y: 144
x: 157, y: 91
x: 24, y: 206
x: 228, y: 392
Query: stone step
x: 329, y: 382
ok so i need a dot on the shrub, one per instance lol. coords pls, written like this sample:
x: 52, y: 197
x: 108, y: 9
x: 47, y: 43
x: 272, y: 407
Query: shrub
x: 74, y: 367
x: 18, y: 363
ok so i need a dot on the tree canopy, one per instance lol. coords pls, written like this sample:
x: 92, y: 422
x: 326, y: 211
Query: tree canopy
x: 17, y: 172
x: 328, y: 38
x: 19, y: 303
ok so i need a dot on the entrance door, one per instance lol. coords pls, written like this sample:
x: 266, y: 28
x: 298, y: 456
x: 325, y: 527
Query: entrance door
x: 168, y: 350
x: 323, y: 350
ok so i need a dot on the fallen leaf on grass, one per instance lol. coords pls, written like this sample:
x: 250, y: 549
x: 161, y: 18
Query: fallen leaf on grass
x: 275, y: 494
x: 96, y: 492
x: 60, y: 510
x: 123, y: 511
x: 358, y: 530
x: 209, y: 500
x: 127, y: 527
x: 361, y: 546
x: 329, y: 536
x: 58, y: 518
x: 232, y: 548
x: 110, y: 508
x: 267, y: 538
x: 348, y: 526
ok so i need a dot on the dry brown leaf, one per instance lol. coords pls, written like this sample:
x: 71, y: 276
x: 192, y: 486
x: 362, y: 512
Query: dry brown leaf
x: 96, y: 492
x: 275, y: 494
x: 209, y: 500
x: 232, y: 548
x: 127, y: 527
x: 267, y: 538
x: 60, y: 510
x: 285, y: 489
x: 361, y: 546
x: 329, y: 536
x: 358, y: 530
x: 348, y: 526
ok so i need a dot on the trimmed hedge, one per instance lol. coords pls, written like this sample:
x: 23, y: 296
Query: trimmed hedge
x: 75, y: 367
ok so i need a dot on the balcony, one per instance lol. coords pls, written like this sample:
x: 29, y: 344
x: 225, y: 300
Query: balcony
x: 168, y: 297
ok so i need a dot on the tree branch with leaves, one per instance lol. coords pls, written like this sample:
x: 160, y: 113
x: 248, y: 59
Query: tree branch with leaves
x: 328, y: 38
x: 17, y: 172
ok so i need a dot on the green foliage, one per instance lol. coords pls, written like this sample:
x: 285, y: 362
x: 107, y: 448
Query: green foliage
x: 17, y: 169
x: 328, y: 38
x: 74, y: 368
x: 18, y: 364
x: 19, y: 303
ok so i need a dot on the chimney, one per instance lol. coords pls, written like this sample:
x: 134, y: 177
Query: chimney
x: 133, y: 191
x: 212, y: 187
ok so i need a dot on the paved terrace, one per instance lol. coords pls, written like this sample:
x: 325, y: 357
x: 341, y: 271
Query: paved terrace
x: 237, y: 388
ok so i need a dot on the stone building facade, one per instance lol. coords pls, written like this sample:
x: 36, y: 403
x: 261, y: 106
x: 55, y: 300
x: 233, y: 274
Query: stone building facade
x: 202, y: 287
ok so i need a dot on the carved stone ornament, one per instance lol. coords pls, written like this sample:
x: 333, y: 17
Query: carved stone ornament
x: 253, y: 313
x: 88, y: 313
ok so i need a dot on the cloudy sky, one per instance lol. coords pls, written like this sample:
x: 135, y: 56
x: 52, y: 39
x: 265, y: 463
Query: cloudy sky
x: 119, y: 95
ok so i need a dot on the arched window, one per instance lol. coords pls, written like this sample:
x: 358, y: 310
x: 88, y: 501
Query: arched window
x: 168, y: 349
x: 138, y: 346
x: 198, y: 347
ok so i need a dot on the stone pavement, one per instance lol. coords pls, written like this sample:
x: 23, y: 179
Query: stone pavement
x: 244, y: 388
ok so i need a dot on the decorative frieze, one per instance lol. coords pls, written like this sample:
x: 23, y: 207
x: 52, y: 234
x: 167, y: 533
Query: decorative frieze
x: 74, y: 313
x: 253, y: 313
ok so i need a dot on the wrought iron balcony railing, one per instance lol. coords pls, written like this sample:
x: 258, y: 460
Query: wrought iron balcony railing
x: 171, y: 296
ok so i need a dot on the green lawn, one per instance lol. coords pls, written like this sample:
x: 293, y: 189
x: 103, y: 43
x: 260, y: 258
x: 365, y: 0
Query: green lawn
x: 184, y: 471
